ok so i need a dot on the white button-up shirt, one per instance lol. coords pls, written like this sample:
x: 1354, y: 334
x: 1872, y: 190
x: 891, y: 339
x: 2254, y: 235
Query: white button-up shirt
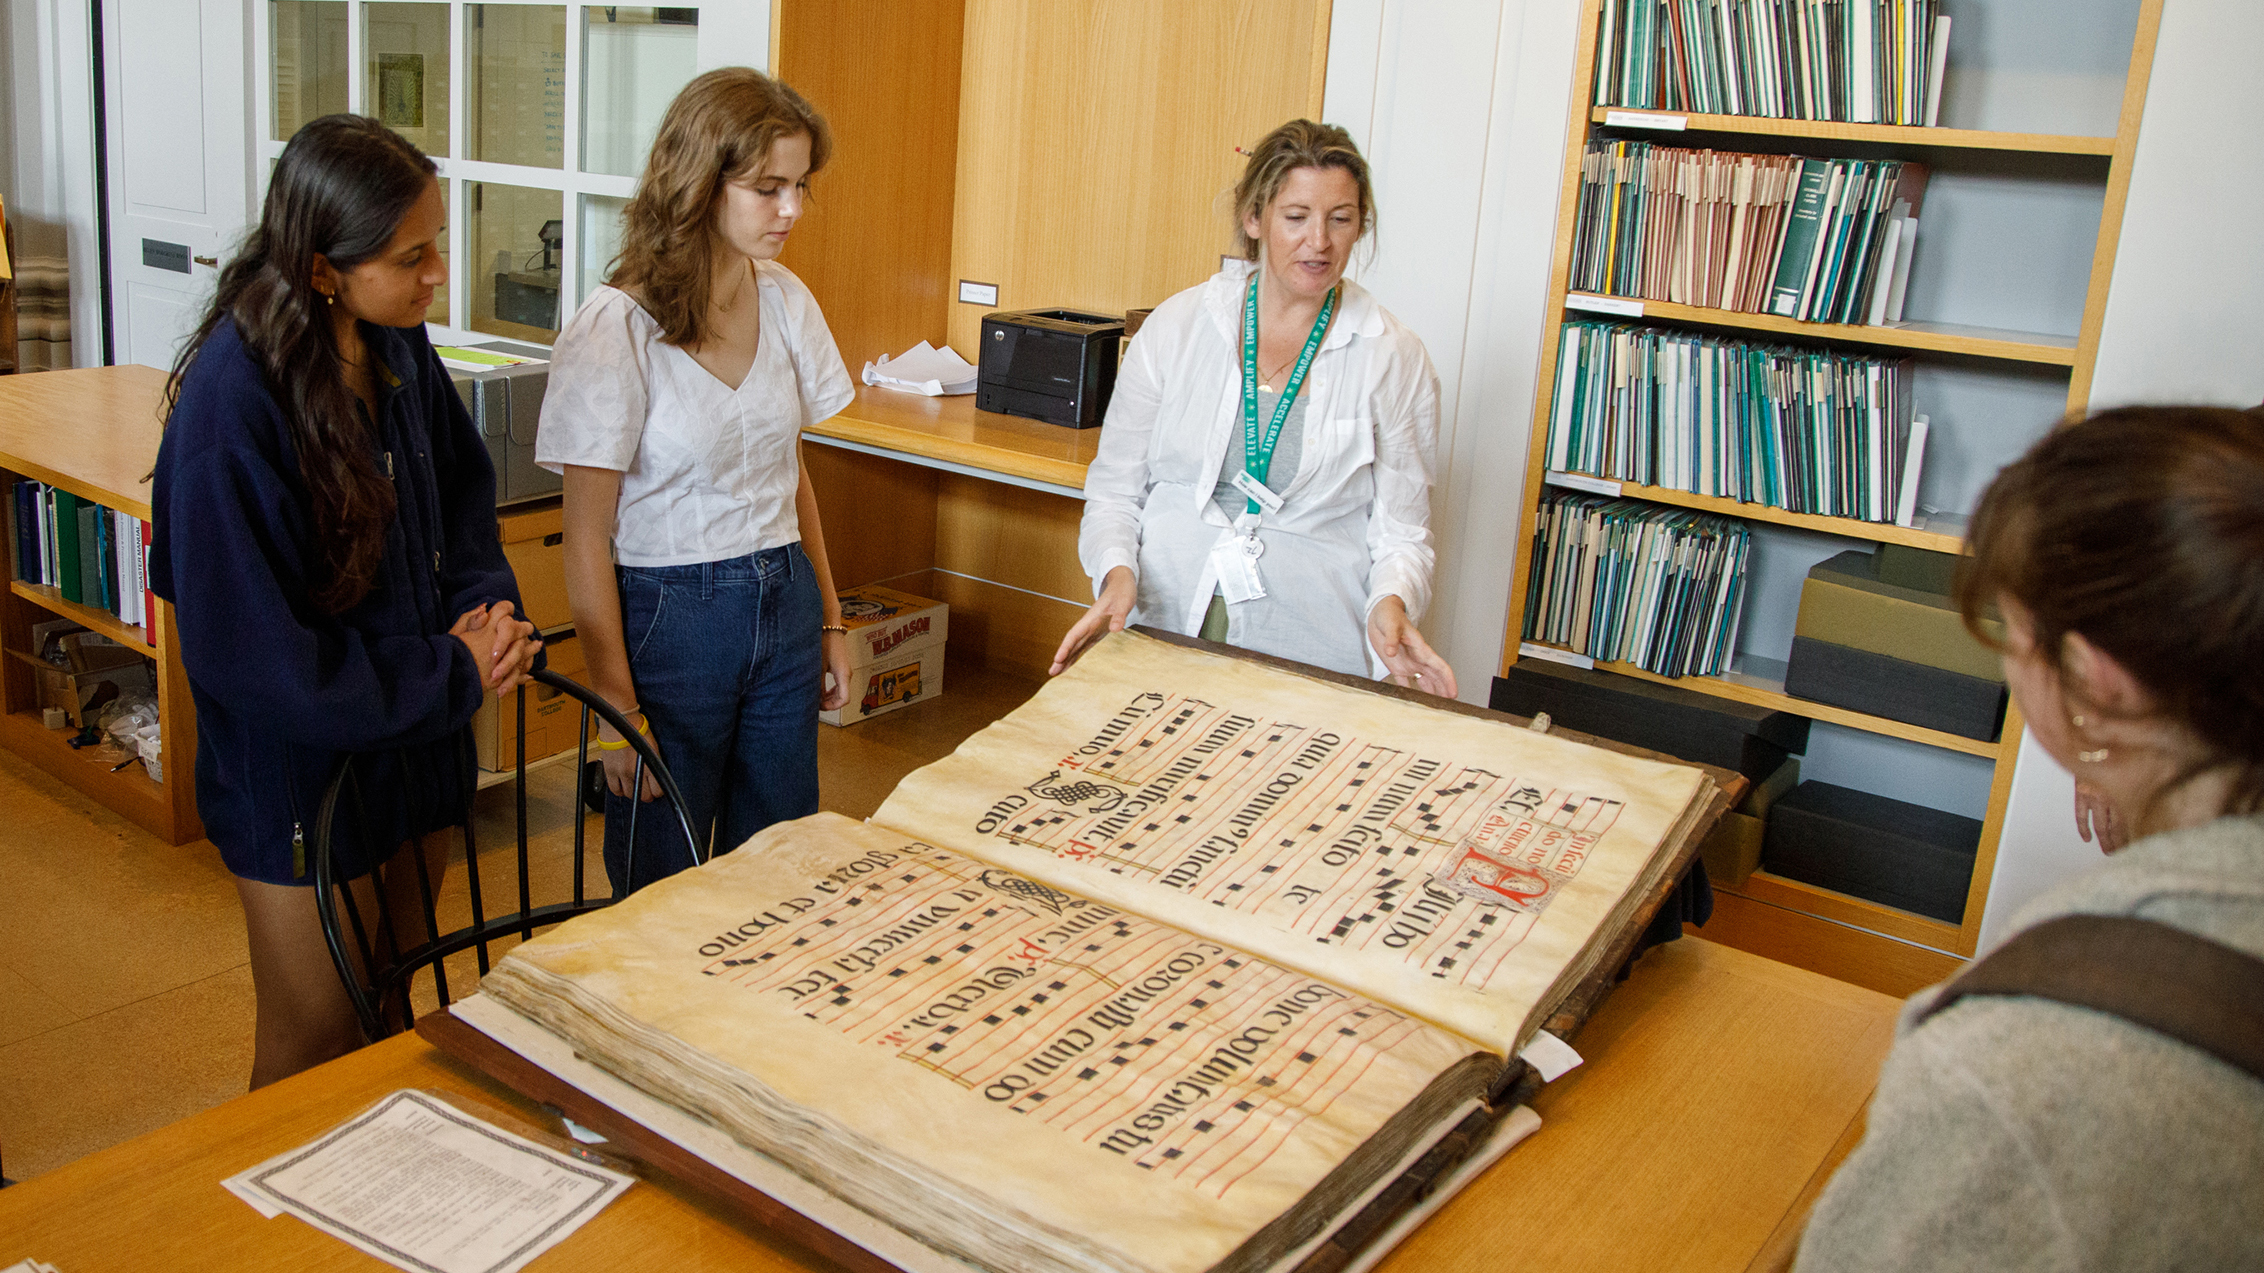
x: 1354, y: 526
x: 709, y: 471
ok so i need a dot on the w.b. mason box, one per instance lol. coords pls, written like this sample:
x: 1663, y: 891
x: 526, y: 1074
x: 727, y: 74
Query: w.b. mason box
x: 895, y: 651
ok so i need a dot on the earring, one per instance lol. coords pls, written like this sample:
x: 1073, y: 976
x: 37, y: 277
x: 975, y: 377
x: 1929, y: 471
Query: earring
x: 2078, y: 720
x: 330, y: 298
x: 2092, y: 757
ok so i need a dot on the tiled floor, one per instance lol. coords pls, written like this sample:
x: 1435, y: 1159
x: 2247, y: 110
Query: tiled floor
x: 125, y: 996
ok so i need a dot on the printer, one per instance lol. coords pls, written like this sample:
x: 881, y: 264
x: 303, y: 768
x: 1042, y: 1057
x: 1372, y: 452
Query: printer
x: 506, y: 404
x: 1055, y: 365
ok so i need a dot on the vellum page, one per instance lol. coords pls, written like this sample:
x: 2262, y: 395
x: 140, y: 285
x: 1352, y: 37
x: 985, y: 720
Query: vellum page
x: 1452, y: 867
x: 1019, y: 1077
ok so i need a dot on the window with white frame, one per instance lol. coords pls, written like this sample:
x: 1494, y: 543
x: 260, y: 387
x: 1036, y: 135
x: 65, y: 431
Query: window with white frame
x: 538, y: 114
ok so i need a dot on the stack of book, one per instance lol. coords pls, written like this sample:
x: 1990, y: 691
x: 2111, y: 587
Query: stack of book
x: 1628, y: 582
x: 1807, y: 430
x: 92, y: 555
x: 1820, y: 240
x: 1855, y: 61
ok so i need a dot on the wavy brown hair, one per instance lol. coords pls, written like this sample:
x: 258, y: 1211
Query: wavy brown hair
x: 1300, y: 143
x: 2143, y: 529
x: 720, y: 128
x: 340, y: 190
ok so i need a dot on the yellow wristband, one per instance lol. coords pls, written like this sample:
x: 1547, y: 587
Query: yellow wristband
x: 642, y: 728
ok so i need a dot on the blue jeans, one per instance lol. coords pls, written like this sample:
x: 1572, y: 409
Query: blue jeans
x: 729, y: 669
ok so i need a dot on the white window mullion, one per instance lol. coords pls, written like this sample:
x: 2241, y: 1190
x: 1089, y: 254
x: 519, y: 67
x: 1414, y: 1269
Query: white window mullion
x: 570, y: 210
x: 354, y: 56
x: 459, y: 208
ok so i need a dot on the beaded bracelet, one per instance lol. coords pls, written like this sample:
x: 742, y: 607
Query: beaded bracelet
x: 841, y: 628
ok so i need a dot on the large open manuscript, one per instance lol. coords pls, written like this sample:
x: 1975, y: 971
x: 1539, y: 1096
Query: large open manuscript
x: 1156, y: 973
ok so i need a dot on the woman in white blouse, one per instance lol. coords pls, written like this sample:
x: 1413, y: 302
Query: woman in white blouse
x: 1264, y: 474
x: 694, y: 559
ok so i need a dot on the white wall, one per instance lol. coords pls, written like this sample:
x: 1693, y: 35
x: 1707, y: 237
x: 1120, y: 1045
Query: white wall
x: 2181, y: 325
x: 1462, y: 109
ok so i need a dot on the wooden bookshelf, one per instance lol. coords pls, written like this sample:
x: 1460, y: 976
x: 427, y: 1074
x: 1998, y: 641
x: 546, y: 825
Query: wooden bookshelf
x: 1942, y: 541
x: 1765, y: 692
x: 1933, y: 338
x: 1856, y: 912
x: 93, y: 618
x: 109, y: 444
x: 1995, y: 352
x: 1902, y: 137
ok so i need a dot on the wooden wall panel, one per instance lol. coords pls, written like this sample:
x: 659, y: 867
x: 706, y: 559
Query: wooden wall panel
x: 999, y: 627
x: 875, y: 246
x: 1021, y: 538
x: 1096, y: 141
x: 879, y: 515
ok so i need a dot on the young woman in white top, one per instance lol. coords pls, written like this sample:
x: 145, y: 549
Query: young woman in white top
x: 694, y: 559
x: 1272, y: 490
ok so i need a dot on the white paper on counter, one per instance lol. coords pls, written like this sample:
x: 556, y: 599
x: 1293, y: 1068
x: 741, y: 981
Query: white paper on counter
x: 923, y: 369
x: 423, y: 1185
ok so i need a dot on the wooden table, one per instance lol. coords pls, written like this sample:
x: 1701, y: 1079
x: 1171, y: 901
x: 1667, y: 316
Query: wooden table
x: 94, y: 433
x: 1720, y: 1090
x: 949, y: 434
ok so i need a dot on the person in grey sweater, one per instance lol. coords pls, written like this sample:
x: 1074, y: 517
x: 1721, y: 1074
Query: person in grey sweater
x: 2126, y: 556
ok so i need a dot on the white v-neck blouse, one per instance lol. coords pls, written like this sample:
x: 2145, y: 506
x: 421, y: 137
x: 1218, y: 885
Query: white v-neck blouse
x: 709, y: 472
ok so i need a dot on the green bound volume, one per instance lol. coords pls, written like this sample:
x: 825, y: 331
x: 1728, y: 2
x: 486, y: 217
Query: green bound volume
x: 1800, y: 233
x: 67, y: 546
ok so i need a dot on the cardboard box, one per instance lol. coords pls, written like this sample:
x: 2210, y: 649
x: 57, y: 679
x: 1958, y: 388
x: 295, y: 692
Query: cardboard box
x: 78, y: 693
x: 896, y: 645
x: 1882, y: 685
x: 553, y: 718
x: 1873, y: 847
x: 1733, y: 851
x: 1897, y: 604
x: 535, y: 544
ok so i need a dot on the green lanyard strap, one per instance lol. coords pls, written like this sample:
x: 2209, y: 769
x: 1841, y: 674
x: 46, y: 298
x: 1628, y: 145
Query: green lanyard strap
x: 1257, y: 451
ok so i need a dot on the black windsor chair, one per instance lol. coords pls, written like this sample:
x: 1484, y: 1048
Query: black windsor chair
x: 377, y: 972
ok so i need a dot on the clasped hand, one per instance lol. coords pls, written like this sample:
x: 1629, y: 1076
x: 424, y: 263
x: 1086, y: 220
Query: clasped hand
x: 502, y: 646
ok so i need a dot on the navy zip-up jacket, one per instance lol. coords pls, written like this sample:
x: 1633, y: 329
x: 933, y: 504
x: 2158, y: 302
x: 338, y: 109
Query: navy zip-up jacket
x: 283, y: 690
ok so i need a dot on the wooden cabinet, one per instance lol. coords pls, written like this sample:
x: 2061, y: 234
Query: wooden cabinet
x: 94, y: 433
x: 2012, y: 186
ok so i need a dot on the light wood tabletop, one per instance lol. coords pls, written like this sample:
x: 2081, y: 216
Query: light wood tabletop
x: 1720, y: 1089
x: 92, y: 431
x: 951, y: 429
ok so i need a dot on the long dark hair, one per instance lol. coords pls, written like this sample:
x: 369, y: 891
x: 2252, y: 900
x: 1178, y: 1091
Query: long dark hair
x: 720, y: 128
x: 2143, y: 529
x: 342, y: 188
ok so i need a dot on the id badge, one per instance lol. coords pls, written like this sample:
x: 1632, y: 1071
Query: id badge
x: 1254, y: 489
x: 1237, y: 572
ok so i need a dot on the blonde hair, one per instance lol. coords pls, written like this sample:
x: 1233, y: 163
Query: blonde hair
x: 1300, y: 143
x: 720, y: 128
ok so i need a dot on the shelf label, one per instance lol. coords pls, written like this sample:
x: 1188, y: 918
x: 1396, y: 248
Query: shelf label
x: 973, y: 293
x: 1645, y: 119
x: 1624, y: 306
x: 1528, y: 650
x: 1582, y: 482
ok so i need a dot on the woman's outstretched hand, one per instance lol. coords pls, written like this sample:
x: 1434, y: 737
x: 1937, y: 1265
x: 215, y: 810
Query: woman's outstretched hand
x: 1412, y: 662
x: 1107, y: 615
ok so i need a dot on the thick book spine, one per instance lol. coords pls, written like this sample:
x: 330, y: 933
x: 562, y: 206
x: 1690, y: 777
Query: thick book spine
x: 1802, y: 229
x: 149, y: 595
x: 67, y: 560
x: 90, y: 555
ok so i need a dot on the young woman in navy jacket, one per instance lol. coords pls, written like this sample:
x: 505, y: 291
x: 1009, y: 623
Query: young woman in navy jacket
x: 325, y: 528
